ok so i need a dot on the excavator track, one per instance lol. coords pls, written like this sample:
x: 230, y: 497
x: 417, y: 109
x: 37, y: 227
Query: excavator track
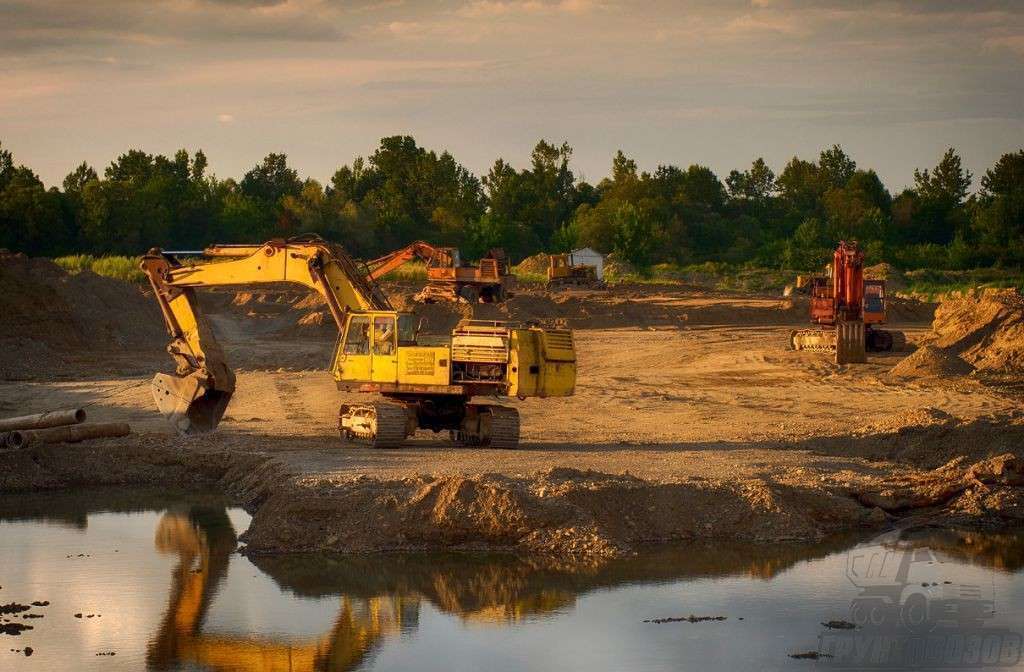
x: 379, y: 424
x: 489, y: 425
x: 504, y: 427
x: 813, y: 340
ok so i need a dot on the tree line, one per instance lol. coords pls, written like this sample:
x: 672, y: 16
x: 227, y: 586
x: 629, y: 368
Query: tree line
x: 403, y: 192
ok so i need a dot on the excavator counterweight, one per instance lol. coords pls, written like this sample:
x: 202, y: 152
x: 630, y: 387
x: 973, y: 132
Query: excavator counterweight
x: 421, y: 386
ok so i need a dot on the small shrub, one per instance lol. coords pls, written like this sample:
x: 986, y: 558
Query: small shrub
x: 75, y: 263
x: 125, y: 269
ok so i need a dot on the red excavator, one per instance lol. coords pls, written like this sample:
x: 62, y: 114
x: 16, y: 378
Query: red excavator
x: 848, y: 309
x: 448, y: 279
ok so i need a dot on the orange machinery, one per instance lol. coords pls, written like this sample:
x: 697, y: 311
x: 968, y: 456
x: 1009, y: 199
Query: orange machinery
x: 848, y: 310
x: 448, y: 279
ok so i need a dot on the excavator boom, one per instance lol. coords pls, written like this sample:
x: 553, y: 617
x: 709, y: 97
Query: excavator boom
x: 381, y: 266
x: 195, y: 397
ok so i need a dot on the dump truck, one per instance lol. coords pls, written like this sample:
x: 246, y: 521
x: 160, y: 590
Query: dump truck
x: 448, y: 277
x: 419, y: 383
x: 562, y: 272
x: 847, y: 310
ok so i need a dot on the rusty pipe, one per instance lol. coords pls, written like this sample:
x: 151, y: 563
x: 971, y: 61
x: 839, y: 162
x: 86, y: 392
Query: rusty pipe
x: 71, y: 416
x: 75, y: 433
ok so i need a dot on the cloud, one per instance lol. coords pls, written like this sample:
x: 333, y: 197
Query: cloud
x: 247, y: 3
x: 403, y: 28
x: 497, y: 8
x: 766, y: 22
x: 1014, y: 43
x: 66, y: 24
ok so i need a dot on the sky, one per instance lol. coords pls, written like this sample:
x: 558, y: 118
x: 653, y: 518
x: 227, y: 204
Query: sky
x: 714, y: 82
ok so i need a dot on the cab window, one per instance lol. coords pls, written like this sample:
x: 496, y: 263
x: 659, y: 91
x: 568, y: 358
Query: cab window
x: 384, y: 336
x: 407, y: 329
x: 357, y: 340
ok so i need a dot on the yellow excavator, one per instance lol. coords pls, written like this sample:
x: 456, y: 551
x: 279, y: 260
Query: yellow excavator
x: 423, y: 383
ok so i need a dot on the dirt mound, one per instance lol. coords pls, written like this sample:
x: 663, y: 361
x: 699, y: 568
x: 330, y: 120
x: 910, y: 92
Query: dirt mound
x: 900, y: 310
x: 537, y: 265
x: 985, y: 328
x: 560, y: 511
x: 930, y: 361
x: 53, y: 320
x: 894, y: 279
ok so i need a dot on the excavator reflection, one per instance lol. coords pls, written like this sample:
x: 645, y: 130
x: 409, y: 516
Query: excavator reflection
x: 204, y: 539
x: 380, y: 597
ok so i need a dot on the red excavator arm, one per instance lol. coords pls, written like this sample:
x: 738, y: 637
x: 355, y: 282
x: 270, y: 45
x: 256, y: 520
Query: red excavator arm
x: 843, y: 298
x: 848, y: 281
x: 381, y: 266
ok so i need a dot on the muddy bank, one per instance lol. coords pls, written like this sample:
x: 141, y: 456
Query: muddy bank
x: 561, y: 511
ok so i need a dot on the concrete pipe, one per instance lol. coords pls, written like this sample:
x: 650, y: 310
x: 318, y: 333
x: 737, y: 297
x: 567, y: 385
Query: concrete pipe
x: 71, y: 416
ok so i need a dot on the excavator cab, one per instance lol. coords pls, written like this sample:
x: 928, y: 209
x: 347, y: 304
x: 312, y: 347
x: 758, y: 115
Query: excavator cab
x: 370, y: 345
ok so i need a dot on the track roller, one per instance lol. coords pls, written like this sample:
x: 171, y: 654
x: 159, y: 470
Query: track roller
x: 379, y: 424
x: 489, y: 426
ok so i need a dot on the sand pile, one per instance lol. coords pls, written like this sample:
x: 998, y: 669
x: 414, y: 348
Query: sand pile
x: 985, y: 328
x: 930, y: 361
x: 53, y: 320
x: 536, y: 265
x: 894, y: 280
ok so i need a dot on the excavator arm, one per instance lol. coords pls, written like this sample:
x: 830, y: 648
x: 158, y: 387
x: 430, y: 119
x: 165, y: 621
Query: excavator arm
x: 194, y: 398
x: 381, y: 266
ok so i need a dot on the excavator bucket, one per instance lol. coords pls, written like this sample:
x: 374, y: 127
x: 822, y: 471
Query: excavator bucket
x: 188, y: 404
x: 850, y: 342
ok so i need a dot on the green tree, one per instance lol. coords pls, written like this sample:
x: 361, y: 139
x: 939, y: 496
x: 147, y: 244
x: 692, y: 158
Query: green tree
x: 998, y: 216
x: 939, y: 208
x: 835, y: 168
x: 271, y: 179
x: 633, y: 235
x: 756, y: 184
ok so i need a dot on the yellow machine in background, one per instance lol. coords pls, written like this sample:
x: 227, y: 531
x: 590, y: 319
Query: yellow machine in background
x: 563, y: 273
x: 423, y: 385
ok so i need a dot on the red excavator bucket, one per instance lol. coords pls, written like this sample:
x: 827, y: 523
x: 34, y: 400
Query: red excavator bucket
x: 188, y: 404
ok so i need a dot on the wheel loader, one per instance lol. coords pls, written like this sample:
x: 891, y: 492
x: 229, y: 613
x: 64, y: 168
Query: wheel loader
x: 848, y: 310
x: 419, y: 383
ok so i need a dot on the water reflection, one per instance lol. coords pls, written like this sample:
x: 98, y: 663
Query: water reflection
x: 381, y: 598
x: 204, y: 540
